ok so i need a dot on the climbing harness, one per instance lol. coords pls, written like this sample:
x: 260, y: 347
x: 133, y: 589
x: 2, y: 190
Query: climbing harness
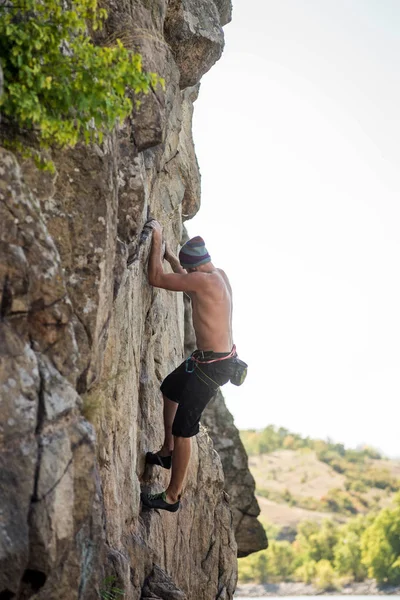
x: 192, y: 360
x: 207, y: 362
x: 238, y: 367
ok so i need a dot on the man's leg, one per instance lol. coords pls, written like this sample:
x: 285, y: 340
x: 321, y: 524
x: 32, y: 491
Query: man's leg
x: 170, y: 409
x: 162, y: 458
x: 180, y: 462
x: 170, y: 499
x: 194, y: 395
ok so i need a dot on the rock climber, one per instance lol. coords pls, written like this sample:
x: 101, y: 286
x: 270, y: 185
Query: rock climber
x: 188, y: 389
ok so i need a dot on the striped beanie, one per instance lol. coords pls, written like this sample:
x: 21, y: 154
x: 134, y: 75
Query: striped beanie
x: 194, y: 253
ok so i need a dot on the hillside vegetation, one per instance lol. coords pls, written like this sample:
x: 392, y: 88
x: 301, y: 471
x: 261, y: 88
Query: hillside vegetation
x: 319, y: 475
x: 332, y: 514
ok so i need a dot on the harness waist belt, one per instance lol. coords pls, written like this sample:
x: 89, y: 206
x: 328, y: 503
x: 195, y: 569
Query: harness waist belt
x: 209, y: 354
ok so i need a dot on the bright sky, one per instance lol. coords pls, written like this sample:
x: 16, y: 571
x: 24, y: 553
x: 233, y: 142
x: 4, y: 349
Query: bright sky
x: 297, y: 133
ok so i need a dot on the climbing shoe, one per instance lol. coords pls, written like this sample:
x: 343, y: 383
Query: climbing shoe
x: 159, y: 501
x: 153, y: 458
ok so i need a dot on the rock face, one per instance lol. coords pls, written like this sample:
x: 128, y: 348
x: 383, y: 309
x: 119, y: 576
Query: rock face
x: 85, y: 343
x: 239, y: 483
x: 194, y: 33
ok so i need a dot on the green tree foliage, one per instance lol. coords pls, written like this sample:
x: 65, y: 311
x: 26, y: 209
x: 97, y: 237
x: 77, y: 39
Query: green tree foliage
x: 380, y: 546
x: 253, y: 568
x: 57, y: 83
x: 325, y: 577
x: 280, y: 560
x: 306, y: 571
x: 315, y: 541
x: 324, y: 554
x: 274, y: 564
x: 347, y: 551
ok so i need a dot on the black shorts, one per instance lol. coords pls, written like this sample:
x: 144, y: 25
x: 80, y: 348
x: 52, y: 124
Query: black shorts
x: 193, y: 389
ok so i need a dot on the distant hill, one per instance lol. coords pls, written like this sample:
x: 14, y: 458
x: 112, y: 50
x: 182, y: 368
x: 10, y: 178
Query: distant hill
x: 298, y: 478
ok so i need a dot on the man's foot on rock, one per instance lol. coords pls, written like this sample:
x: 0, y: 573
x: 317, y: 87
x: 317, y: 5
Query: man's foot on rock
x: 154, y: 458
x: 159, y: 501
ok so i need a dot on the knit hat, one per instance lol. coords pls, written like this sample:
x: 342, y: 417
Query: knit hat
x: 194, y: 253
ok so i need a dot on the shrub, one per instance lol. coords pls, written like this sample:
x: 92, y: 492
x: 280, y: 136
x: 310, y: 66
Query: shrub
x: 325, y: 578
x: 355, y: 486
x: 381, y: 479
x: 336, y: 500
x: 333, y: 459
x: 371, y: 452
x: 306, y: 571
x: 287, y: 497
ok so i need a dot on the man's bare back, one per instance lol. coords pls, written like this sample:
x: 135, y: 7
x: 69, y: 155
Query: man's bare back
x: 212, y: 312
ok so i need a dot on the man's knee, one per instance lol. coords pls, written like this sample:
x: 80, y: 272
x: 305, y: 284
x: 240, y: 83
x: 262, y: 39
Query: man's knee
x: 182, y: 438
x: 184, y: 431
x: 168, y: 400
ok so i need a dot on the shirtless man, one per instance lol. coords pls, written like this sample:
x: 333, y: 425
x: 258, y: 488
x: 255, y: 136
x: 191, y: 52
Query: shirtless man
x: 187, y: 390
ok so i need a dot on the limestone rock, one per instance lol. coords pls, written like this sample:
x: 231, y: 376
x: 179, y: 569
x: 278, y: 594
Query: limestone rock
x: 225, y: 10
x: 188, y: 161
x: 159, y: 586
x: 59, y: 397
x: 194, y: 33
x: 34, y: 296
x: 19, y: 385
x: 65, y: 525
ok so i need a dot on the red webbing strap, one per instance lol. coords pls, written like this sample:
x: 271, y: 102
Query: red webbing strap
x: 207, y: 362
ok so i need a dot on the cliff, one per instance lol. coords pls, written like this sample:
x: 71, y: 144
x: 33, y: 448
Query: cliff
x: 85, y: 342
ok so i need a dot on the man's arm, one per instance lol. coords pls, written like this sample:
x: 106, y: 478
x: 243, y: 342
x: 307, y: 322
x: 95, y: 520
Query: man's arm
x: 173, y: 261
x: 155, y: 267
x: 177, y: 282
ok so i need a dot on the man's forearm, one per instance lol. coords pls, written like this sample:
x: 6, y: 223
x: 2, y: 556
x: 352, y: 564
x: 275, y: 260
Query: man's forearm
x: 174, y: 262
x: 155, y: 259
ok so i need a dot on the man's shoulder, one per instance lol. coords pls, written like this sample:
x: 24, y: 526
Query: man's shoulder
x: 200, y: 281
x: 224, y: 276
x: 212, y: 279
x: 215, y: 281
x: 217, y: 277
